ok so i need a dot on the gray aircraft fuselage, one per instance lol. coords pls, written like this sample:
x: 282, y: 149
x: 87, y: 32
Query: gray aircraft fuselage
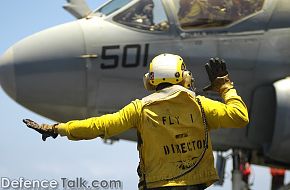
x: 94, y: 65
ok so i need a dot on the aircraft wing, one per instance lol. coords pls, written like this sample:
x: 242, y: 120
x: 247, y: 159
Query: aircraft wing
x: 78, y: 8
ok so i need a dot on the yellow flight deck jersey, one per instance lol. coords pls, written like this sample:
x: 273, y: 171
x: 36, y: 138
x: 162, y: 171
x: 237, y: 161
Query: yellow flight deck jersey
x: 170, y: 127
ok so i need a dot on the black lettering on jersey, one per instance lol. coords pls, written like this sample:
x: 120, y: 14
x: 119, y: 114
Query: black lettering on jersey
x: 184, y: 147
x: 191, y: 117
x: 199, y: 144
x: 166, y: 149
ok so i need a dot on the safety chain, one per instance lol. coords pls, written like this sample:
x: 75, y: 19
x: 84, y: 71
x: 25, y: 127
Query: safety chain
x: 204, y: 122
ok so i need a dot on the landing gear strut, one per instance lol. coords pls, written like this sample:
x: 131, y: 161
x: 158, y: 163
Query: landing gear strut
x: 237, y: 182
x: 241, y: 170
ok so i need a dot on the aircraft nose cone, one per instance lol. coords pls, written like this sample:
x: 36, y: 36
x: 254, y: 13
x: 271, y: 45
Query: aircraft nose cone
x: 45, y: 72
x: 7, y: 76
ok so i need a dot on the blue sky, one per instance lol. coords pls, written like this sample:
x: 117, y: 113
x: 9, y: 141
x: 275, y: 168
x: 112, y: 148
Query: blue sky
x: 22, y: 152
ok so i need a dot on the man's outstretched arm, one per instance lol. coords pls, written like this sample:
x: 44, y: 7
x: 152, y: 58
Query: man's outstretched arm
x: 104, y: 126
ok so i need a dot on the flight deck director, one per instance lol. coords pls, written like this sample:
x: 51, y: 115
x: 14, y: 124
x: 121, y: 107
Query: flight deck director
x: 172, y: 124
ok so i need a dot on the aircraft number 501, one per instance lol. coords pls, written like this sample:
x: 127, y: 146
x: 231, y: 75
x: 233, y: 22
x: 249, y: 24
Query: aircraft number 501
x: 109, y: 53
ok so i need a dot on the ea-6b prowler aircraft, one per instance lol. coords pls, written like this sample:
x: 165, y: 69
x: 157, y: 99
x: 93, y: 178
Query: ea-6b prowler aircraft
x: 94, y: 65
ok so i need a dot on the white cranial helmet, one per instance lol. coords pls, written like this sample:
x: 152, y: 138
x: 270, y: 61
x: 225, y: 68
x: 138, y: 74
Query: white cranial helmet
x: 167, y: 68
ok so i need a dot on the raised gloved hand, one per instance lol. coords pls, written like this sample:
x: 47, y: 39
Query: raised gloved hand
x: 44, y: 129
x: 218, y: 76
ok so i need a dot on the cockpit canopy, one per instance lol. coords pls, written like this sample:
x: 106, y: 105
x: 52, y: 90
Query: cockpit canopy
x: 213, y: 13
x: 112, y: 6
x: 189, y: 14
x: 146, y: 15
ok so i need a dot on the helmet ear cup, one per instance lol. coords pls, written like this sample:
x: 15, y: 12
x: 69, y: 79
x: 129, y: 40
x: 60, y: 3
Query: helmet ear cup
x: 187, y: 79
x: 146, y: 82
